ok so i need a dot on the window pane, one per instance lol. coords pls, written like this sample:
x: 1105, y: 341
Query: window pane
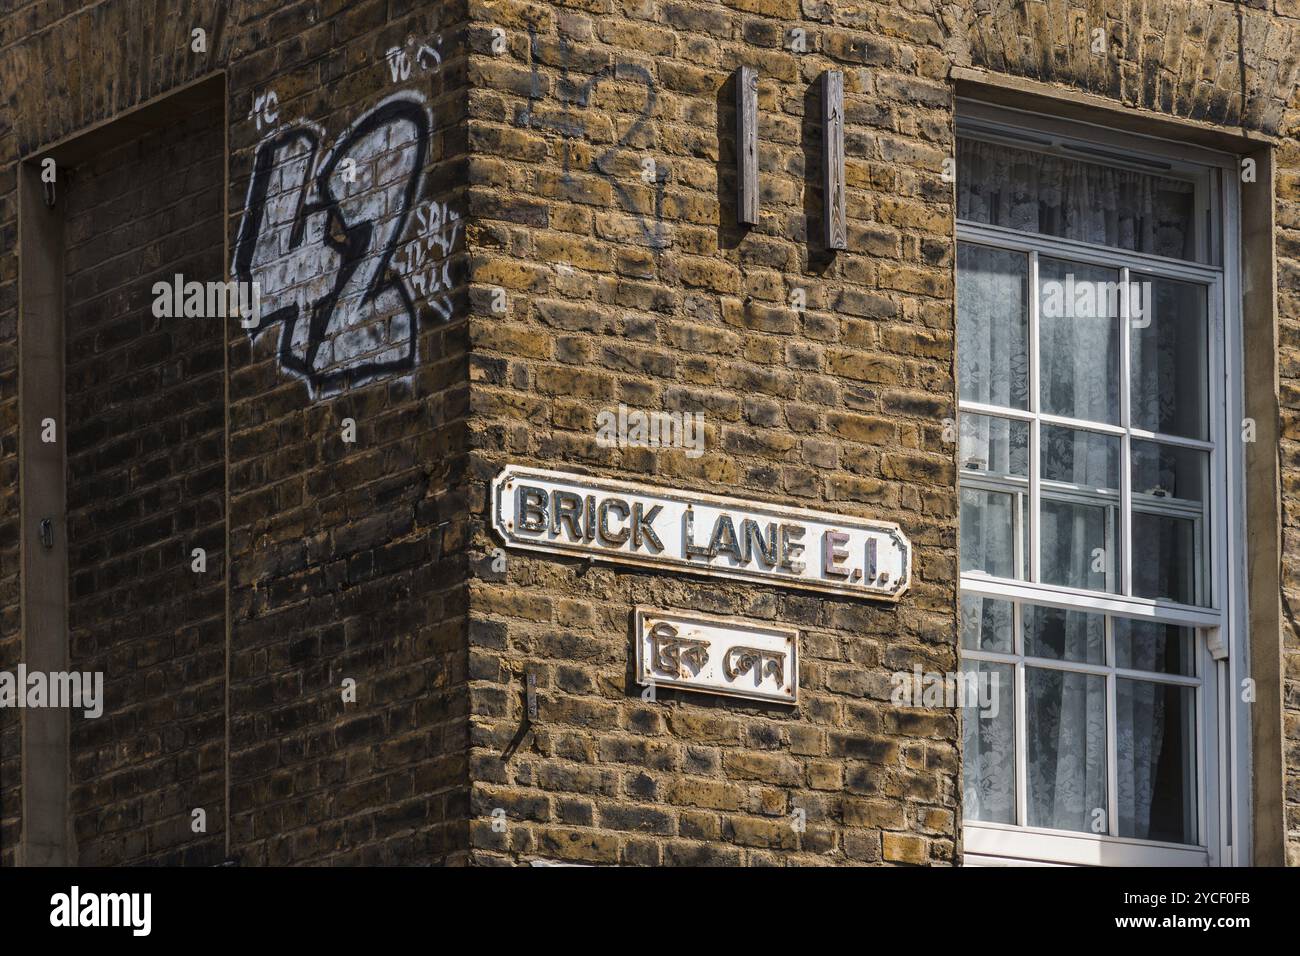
x: 1165, y: 558
x: 986, y: 624
x: 1168, y: 520
x: 1079, y: 533
x: 1066, y: 738
x: 1156, y: 763
x: 1170, y: 472
x: 1077, y: 545
x: 988, y: 535
x: 1152, y: 646
x: 1060, y: 196
x: 1078, y: 340
x: 992, y: 326
x: 988, y: 745
x: 1062, y: 635
x: 1167, y: 365
x: 1081, y: 458
x: 995, y: 446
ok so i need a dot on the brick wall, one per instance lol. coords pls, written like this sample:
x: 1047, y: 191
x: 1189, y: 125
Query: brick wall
x: 371, y: 560
x: 347, y: 556
x: 146, y: 485
x: 65, y: 70
x: 626, y: 291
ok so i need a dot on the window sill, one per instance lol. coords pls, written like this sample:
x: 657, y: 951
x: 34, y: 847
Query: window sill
x: 993, y: 845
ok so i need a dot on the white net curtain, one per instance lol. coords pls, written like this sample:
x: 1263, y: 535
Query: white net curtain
x: 1052, y: 195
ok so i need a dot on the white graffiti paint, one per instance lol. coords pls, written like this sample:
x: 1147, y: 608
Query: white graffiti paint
x: 424, y: 55
x: 344, y: 251
x: 264, y: 111
x: 425, y: 261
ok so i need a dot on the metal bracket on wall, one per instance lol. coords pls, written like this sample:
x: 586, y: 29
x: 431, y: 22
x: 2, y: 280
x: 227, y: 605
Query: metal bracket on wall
x: 48, y: 190
x: 532, y: 696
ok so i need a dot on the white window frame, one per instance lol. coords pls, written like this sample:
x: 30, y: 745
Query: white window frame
x: 1222, y: 738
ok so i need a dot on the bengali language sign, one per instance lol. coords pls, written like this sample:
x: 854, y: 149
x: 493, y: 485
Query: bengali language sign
x: 717, y: 655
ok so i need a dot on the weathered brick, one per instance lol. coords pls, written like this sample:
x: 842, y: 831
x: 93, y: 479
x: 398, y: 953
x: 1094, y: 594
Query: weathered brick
x: 824, y: 381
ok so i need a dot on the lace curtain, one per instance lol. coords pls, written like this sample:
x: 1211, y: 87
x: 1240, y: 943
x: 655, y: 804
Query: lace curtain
x: 1056, y: 196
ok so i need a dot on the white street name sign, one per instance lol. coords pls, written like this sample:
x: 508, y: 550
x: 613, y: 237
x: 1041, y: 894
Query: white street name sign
x: 647, y: 526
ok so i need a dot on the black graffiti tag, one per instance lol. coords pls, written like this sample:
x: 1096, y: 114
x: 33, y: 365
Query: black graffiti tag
x: 320, y: 242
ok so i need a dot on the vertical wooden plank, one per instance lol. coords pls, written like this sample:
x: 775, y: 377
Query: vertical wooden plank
x: 836, y: 216
x: 45, y: 839
x: 747, y: 145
